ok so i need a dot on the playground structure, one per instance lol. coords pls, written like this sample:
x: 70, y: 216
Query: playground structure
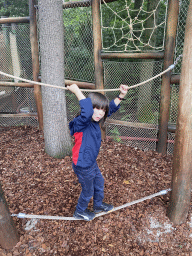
x: 167, y: 56
x: 111, y: 72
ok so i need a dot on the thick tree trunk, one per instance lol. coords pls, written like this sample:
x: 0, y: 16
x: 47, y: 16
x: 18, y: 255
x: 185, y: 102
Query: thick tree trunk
x: 56, y: 132
x: 182, y: 157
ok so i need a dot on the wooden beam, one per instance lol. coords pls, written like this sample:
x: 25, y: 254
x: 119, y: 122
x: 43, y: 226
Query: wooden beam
x: 182, y: 157
x: 35, y: 61
x: 132, y: 124
x: 11, y: 84
x: 82, y: 85
x: 171, y: 128
x: 175, y: 79
x: 146, y: 55
x: 173, y: 12
x: 14, y: 20
x: 19, y: 115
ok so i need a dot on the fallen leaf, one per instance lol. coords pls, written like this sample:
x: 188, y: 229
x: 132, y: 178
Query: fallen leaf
x: 44, y: 246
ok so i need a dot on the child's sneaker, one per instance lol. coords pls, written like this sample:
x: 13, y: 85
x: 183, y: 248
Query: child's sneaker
x: 103, y: 208
x: 86, y: 215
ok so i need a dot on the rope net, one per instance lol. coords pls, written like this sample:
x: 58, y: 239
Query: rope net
x: 133, y: 28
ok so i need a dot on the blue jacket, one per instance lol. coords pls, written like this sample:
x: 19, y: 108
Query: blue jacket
x: 87, y: 134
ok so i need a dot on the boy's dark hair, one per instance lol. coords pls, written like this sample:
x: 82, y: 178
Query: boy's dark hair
x: 100, y: 101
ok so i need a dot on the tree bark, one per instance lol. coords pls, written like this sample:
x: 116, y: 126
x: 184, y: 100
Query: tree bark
x: 172, y: 20
x: 56, y: 131
x: 8, y: 233
x: 182, y: 156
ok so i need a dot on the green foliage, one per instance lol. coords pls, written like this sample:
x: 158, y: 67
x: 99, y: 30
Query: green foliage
x: 79, y: 63
x: 147, y: 115
x: 14, y: 8
x: 115, y: 134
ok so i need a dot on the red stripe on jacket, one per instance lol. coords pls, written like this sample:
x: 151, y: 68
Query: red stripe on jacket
x: 78, y: 142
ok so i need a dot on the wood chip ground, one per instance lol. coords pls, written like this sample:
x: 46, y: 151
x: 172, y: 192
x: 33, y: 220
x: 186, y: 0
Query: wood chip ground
x: 35, y: 183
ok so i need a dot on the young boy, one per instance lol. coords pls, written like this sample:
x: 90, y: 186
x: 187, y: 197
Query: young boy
x: 86, y: 130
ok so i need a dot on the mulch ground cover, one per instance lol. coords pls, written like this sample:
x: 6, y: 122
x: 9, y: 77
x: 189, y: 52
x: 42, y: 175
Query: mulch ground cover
x: 35, y: 183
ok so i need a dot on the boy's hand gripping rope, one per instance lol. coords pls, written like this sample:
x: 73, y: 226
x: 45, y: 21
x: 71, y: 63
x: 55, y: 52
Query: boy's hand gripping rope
x: 90, y: 90
x: 45, y: 217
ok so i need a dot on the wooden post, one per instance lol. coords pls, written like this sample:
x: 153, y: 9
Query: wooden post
x: 173, y: 11
x: 97, y: 41
x: 182, y: 156
x: 8, y: 233
x: 97, y: 44
x: 35, y: 61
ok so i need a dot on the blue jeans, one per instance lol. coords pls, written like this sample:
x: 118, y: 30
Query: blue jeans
x: 92, y: 183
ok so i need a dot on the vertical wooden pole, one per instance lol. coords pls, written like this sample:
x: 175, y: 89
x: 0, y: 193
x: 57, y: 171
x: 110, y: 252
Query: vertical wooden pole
x: 172, y: 19
x: 8, y: 233
x: 182, y: 156
x: 97, y: 44
x: 35, y: 61
x: 97, y: 41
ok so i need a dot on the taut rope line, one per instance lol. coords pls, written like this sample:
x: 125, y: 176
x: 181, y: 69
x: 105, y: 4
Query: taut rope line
x: 90, y: 90
x: 45, y: 217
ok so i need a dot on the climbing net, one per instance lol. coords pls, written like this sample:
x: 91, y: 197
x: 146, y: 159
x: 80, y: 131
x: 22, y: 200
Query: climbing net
x: 127, y: 29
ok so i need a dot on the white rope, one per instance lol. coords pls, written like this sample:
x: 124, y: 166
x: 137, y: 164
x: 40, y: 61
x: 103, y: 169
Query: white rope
x: 89, y: 90
x: 45, y: 217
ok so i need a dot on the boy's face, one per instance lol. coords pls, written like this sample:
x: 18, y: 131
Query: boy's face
x: 98, y: 114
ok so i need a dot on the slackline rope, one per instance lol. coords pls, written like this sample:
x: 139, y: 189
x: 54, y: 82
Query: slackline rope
x: 44, y: 217
x: 90, y: 90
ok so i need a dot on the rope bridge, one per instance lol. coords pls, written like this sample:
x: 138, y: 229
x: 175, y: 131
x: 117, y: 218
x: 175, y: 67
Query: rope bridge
x: 163, y: 192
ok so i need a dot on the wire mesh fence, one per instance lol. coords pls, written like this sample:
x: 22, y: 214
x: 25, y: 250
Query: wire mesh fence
x: 15, y: 59
x: 78, y: 41
x: 138, y: 115
x: 183, y: 8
